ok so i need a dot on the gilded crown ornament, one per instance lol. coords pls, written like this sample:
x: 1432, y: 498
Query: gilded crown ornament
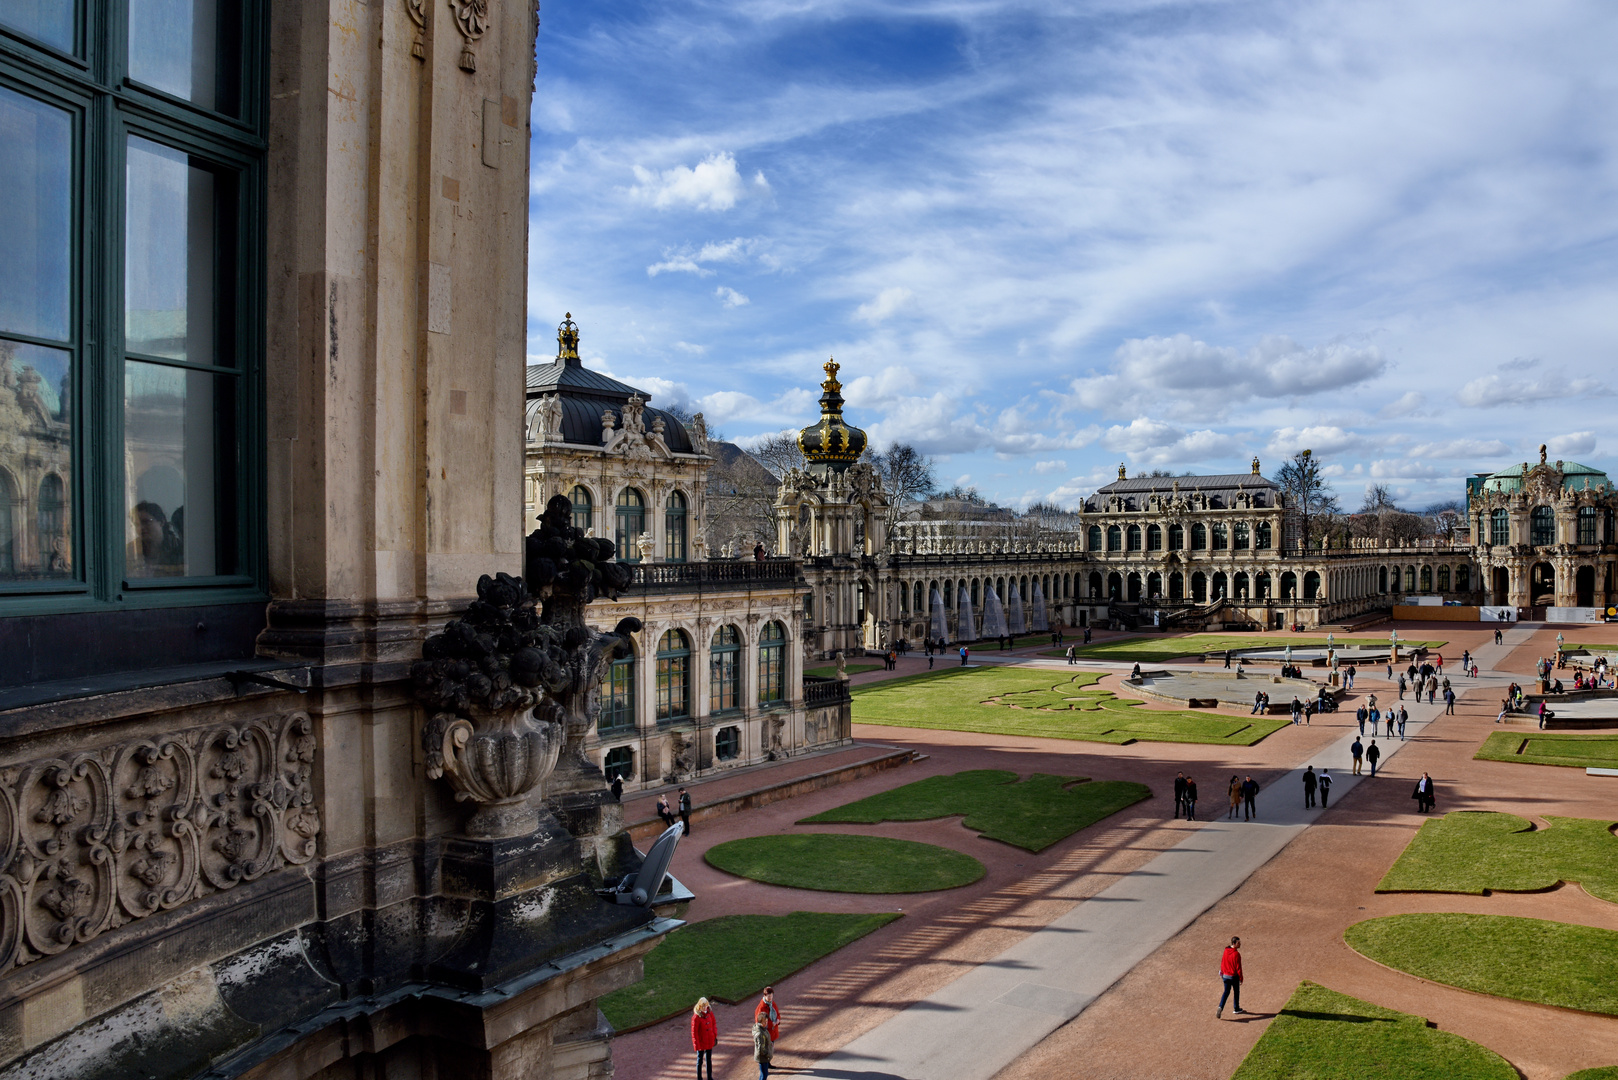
x: 567, y: 339
x: 830, y: 444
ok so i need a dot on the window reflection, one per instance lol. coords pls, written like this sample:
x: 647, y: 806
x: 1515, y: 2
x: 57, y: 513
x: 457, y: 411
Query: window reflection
x: 35, y: 217
x: 185, y: 48
x: 170, y: 256
x: 177, y: 483
x: 36, y: 537
x: 49, y: 21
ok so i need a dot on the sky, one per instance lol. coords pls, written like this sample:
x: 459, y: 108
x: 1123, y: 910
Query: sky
x: 1047, y: 239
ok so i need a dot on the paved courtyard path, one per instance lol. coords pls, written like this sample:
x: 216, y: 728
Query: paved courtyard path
x: 978, y: 1024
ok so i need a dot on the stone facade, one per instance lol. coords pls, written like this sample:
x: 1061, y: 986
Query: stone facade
x: 1545, y: 535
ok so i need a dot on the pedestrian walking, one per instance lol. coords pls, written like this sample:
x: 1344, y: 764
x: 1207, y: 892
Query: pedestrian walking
x: 1373, y: 754
x: 1325, y: 788
x: 1230, y: 974
x: 1227, y: 658
x: 1310, y: 782
x: 1249, y: 793
x: 1401, y: 686
x: 1403, y: 717
x: 1358, y: 750
x: 1070, y: 656
x: 1179, y: 794
x: 1449, y: 702
x: 1235, y: 797
x: 685, y: 810
x: 964, y: 653
x: 766, y: 1030
x: 1352, y: 671
x: 1191, y: 798
x: 1424, y: 794
x: 664, y: 812
x: 1297, y: 711
x: 1497, y: 638
x: 1360, y: 714
x: 704, y: 1035
x: 1390, y: 669
x: 1392, y: 716
x: 929, y: 660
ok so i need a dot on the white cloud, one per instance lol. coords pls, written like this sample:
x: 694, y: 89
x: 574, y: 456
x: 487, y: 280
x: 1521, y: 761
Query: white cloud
x: 1574, y: 442
x: 689, y: 349
x: 712, y: 184
x: 1153, y: 442
x: 1323, y: 439
x: 1548, y: 384
x: 885, y: 304
x: 730, y: 296
x: 1403, y: 405
x: 1463, y: 449
x: 687, y: 260
x: 1043, y: 467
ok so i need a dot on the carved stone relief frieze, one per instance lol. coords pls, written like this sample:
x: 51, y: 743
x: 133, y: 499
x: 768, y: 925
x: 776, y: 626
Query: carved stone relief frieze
x: 472, y: 17
x: 98, y: 838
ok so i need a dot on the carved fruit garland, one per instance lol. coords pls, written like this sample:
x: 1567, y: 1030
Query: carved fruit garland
x: 472, y: 16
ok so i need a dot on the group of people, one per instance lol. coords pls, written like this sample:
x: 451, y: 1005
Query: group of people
x: 1242, y: 796
x: 664, y: 812
x: 1185, y: 797
x: 1428, y: 684
x: 1359, y: 751
x: 1396, y: 718
x: 766, y: 1031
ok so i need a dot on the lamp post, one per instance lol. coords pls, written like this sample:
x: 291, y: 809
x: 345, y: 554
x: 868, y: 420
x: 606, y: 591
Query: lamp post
x: 1393, y: 644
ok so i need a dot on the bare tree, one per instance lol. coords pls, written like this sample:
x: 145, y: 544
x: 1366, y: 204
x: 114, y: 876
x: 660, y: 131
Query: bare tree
x: 1309, y: 494
x: 906, y: 475
x: 779, y: 453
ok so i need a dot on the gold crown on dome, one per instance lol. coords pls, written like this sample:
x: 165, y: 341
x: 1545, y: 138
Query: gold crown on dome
x: 830, y: 443
x: 567, y: 338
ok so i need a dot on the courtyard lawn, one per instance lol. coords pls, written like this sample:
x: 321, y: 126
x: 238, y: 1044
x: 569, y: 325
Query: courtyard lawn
x: 1472, y: 851
x: 1551, y: 748
x: 1548, y: 963
x: 1032, y: 814
x: 1155, y: 649
x: 730, y: 959
x: 1323, y: 1035
x: 1605, y: 1072
x: 830, y: 670
x: 1045, y: 704
x: 835, y: 862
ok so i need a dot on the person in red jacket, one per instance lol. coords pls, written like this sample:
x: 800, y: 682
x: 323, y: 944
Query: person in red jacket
x: 704, y: 1035
x: 1230, y: 973
x: 766, y: 1029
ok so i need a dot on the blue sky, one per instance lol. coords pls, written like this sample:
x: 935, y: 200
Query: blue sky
x: 1043, y: 239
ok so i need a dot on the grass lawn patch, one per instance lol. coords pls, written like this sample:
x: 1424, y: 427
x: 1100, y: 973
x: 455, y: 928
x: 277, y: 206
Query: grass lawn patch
x: 1606, y: 1072
x: 1323, y: 1035
x: 1032, y: 814
x: 830, y: 670
x: 833, y: 862
x: 1045, y: 704
x: 1154, y: 648
x: 1551, y: 748
x: 1473, y: 851
x: 730, y: 959
x: 1549, y: 963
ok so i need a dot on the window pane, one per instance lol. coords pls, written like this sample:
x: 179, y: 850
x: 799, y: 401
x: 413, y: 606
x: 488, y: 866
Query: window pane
x: 36, y: 174
x: 50, y: 21
x: 174, y: 247
x: 36, y: 527
x: 179, y: 457
x: 186, y: 48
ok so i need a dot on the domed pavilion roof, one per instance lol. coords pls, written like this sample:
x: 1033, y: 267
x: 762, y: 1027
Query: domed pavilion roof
x: 1575, y: 477
x: 829, y: 444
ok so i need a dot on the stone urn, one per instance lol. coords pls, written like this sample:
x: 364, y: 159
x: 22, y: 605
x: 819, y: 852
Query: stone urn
x: 498, y: 760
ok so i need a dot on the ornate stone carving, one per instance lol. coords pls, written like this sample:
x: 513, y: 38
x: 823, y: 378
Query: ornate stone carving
x: 472, y: 16
x: 497, y: 760
x: 418, y: 15
x: 95, y: 839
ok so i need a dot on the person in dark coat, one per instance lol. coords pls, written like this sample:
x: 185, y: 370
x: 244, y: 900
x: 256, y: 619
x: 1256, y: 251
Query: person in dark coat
x: 1424, y: 794
x: 1373, y: 754
x: 664, y: 812
x: 685, y: 810
x: 1325, y: 788
x: 1179, y: 793
x: 1190, y: 798
x: 1249, y: 793
x: 1310, y: 780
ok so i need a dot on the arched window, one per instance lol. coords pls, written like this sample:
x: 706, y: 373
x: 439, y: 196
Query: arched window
x: 1394, y: 579
x: 620, y: 761
x: 1134, y: 538
x: 674, y: 528
x: 1219, y: 589
x: 1382, y: 580
x: 1463, y: 578
x: 1289, y: 586
x: 8, y: 525
x: 1176, y: 586
x: 1240, y: 586
x: 617, y: 707
x: 727, y: 743
x: 918, y: 607
x: 52, y: 520
x: 583, y: 508
x: 1443, y: 579
x: 1095, y: 584
x: 1261, y: 586
x: 1219, y: 537
x: 1241, y: 536
x: 1115, y: 586
x: 977, y: 603
x: 1199, y: 587
x: 1542, y: 526
x: 1199, y: 537
x: 725, y: 670
x: 1115, y: 538
x: 1426, y: 579
x: 631, y: 517
x: 1311, y: 585
x: 772, y: 665
x: 1263, y: 538
x: 1499, y: 528
x: 674, y: 676
x: 1094, y: 541
x: 1410, y: 579
x: 1587, y: 524
x: 1176, y: 537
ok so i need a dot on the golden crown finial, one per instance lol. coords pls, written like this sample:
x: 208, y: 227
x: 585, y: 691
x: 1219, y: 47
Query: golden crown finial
x: 567, y: 339
x: 831, y: 384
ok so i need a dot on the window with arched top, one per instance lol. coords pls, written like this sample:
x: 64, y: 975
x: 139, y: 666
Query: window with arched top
x: 772, y: 665
x: 673, y: 676
x: 1542, y: 526
x: 583, y: 508
x: 617, y: 705
x: 619, y: 762
x: 1199, y: 537
x: 1176, y: 537
x: 1134, y: 538
x: 1263, y: 536
x: 1499, y: 528
x: 1410, y: 579
x: 1463, y: 578
x: 1154, y: 538
x: 1426, y: 579
x: 674, y: 513
x: 1241, y: 538
x: 1094, y: 541
x: 725, y: 670
x: 1588, y: 516
x: 1382, y: 580
x: 1115, y: 538
x: 51, y: 519
x: 1220, y: 537
x: 630, y: 515
x: 1443, y: 579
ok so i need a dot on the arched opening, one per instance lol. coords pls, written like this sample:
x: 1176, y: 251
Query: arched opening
x: 1134, y: 538
x: 1261, y: 586
x: 616, y: 708
x: 1115, y: 586
x: 1443, y: 579
x: 674, y: 514
x: 1199, y: 587
x: 1382, y: 579
x: 1095, y: 585
x: 1220, y: 589
x: 1542, y: 585
x: 1154, y: 585
x: 1241, y: 539
x: 1240, y: 586
x: 8, y: 526
x: 52, y: 521
x: 725, y: 670
x: 674, y: 676
x: 1199, y: 537
x: 1426, y: 579
x: 1154, y: 538
x: 1176, y: 586
x: 1501, y: 591
x: 1134, y: 586
x: 1463, y: 578
x: 1584, y: 585
x: 1263, y: 536
x: 1093, y: 538
x: 1289, y: 586
x: 1311, y: 585
x: 1220, y: 537
x: 1176, y: 537
x: 1115, y: 538
x: 1499, y: 528
x: 630, y: 515
x: 1542, y: 527
x: 772, y: 664
x: 619, y: 762
x: 583, y: 508
x: 1410, y: 579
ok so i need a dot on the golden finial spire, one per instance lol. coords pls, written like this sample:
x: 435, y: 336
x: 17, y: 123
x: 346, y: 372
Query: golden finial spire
x: 831, y: 385
x: 1121, y: 474
x: 1255, y: 464
x: 567, y: 339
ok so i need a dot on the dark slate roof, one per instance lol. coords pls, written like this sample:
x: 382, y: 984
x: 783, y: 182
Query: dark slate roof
x: 1221, y: 489
x: 585, y: 395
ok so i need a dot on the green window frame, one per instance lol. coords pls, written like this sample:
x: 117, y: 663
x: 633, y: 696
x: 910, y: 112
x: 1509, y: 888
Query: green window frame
x: 630, y: 517
x: 1542, y: 526
x: 727, y: 743
x: 136, y: 177
x: 1199, y: 537
x: 1219, y: 537
x: 1115, y: 538
x: 1499, y: 528
x: 1263, y: 536
x: 1154, y: 538
x: 583, y: 508
x: 1587, y: 524
x: 1240, y: 542
x: 772, y: 673
x: 1133, y: 538
x: 674, y: 518
x: 616, y: 707
x: 725, y: 670
x: 674, y: 676
x: 1093, y: 541
x: 619, y: 761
